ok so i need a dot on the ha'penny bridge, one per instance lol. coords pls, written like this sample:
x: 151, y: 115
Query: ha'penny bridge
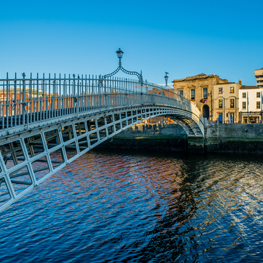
x: 47, y: 122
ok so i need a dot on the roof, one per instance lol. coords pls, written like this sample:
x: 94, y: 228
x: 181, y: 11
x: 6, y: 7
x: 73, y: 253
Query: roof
x: 226, y: 83
x: 198, y: 76
x: 248, y: 87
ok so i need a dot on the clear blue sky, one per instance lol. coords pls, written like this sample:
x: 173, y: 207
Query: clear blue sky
x: 182, y: 37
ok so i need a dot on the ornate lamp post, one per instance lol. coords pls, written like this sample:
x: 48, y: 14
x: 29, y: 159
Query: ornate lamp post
x: 166, y: 78
x: 211, y: 115
x: 120, y: 53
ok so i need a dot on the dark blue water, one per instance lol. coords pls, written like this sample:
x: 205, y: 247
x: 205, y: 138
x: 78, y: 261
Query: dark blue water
x: 119, y: 207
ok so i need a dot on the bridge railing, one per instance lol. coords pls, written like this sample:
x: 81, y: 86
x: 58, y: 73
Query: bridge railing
x: 27, y: 100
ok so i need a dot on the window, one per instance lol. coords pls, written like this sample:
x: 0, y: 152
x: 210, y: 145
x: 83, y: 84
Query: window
x: 181, y: 92
x: 258, y: 104
x: 220, y: 90
x: 232, y: 103
x: 244, y: 105
x: 220, y: 104
x: 192, y: 94
x: 232, y: 90
x: 244, y: 95
x: 258, y: 94
x: 204, y: 93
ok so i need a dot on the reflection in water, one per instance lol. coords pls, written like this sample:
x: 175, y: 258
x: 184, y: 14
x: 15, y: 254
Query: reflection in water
x: 115, y: 207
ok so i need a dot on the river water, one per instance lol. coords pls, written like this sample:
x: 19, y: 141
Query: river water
x: 122, y: 207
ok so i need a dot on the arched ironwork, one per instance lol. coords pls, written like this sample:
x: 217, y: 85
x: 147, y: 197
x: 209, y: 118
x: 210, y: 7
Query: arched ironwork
x: 121, y: 68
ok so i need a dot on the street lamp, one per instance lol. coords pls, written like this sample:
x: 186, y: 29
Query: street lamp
x: 119, y: 53
x: 211, y: 115
x: 166, y: 78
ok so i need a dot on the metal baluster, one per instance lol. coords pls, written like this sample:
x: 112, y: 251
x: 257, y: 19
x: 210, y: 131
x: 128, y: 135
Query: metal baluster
x: 53, y: 104
x: 65, y: 100
x: 19, y: 105
x: 77, y: 97
x: 70, y: 95
x: 86, y: 93
x: 92, y: 91
x: 29, y: 105
x: 49, y: 95
x: 24, y: 99
x: 36, y: 114
x: 42, y: 101
x: 3, y: 107
x: 15, y: 102
x: 7, y: 101
x: 60, y: 97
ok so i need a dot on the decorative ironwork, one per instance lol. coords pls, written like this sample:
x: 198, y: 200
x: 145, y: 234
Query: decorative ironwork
x: 121, y: 68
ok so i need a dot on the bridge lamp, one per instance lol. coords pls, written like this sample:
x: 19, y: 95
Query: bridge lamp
x: 119, y: 53
x: 166, y: 77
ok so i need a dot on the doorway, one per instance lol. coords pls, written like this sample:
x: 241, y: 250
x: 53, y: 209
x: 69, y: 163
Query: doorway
x: 232, y: 117
x: 206, y: 111
x: 220, y: 117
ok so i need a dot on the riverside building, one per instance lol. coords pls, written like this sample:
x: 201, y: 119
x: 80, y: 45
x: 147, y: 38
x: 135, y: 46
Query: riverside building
x: 250, y: 104
x: 200, y: 89
x: 226, y: 102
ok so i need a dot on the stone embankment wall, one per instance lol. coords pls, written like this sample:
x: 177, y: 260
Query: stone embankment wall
x: 220, y: 138
x: 242, y: 138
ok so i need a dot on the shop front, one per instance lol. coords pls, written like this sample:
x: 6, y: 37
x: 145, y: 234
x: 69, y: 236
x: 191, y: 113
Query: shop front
x: 252, y: 117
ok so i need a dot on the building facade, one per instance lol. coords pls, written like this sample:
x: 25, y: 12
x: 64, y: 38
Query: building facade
x: 226, y: 102
x: 250, y: 104
x: 259, y: 77
x: 200, y: 89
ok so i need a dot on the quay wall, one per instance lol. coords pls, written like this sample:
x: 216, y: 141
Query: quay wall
x: 220, y: 138
x: 241, y: 138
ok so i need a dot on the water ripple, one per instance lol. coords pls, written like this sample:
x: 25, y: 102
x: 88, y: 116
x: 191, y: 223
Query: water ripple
x: 118, y: 207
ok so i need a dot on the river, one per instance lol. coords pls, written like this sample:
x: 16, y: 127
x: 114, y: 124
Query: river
x: 130, y: 207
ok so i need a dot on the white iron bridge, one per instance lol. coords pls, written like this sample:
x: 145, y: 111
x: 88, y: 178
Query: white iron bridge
x: 47, y: 122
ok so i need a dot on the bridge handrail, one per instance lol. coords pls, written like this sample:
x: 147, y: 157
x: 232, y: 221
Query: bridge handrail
x: 26, y: 100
